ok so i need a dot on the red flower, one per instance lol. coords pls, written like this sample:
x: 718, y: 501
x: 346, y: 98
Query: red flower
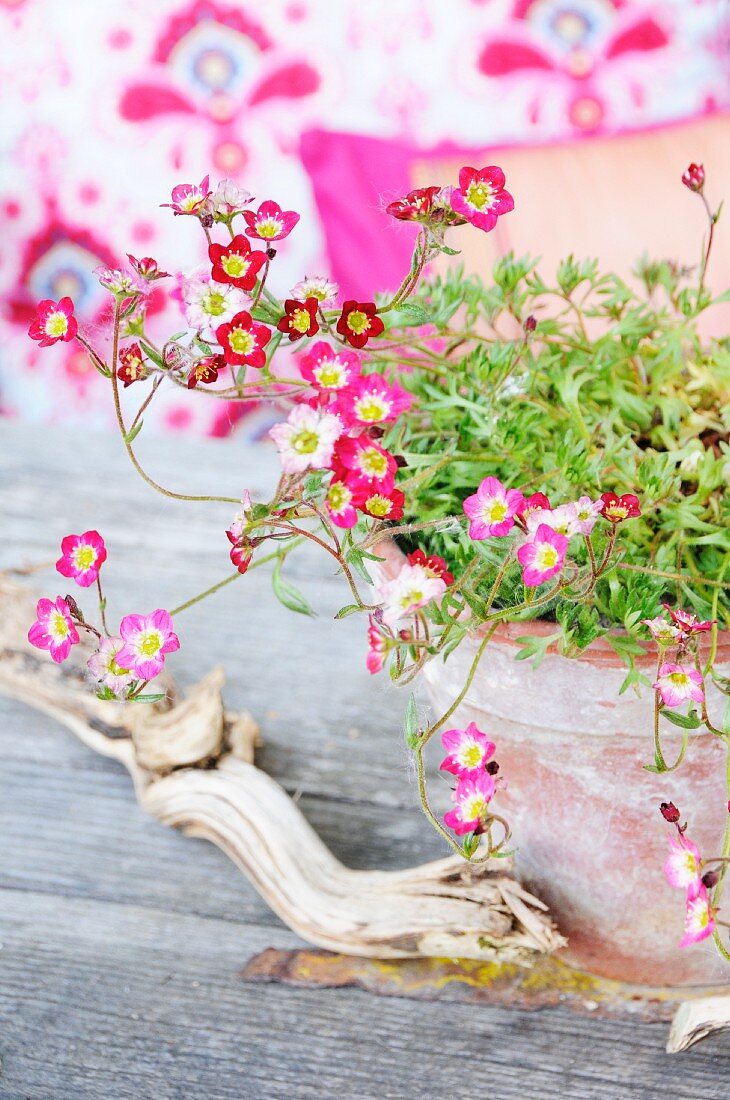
x: 53, y: 321
x: 358, y: 322
x: 147, y: 268
x: 694, y: 177
x: 241, y: 550
x: 432, y: 564
x: 243, y: 340
x: 132, y: 368
x: 415, y: 207
x: 235, y: 263
x: 300, y: 318
x: 205, y: 370
x: 380, y: 505
x: 270, y: 222
x: 687, y: 622
x: 669, y: 812
x: 618, y: 508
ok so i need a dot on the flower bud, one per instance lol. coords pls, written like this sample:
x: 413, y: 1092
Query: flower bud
x: 206, y: 220
x: 270, y: 252
x: 530, y: 324
x: 694, y: 177
x: 492, y: 767
x: 710, y: 879
x: 669, y: 812
x: 74, y: 608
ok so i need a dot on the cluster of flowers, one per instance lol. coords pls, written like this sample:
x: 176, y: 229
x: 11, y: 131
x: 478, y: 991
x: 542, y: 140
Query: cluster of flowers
x: 469, y: 758
x: 480, y: 199
x: 494, y: 510
x: 684, y: 870
x: 420, y: 580
x: 123, y: 663
x: 677, y: 681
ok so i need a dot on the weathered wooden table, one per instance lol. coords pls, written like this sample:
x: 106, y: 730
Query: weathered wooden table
x: 123, y: 942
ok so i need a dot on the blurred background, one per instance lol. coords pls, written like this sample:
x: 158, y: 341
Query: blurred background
x: 333, y: 108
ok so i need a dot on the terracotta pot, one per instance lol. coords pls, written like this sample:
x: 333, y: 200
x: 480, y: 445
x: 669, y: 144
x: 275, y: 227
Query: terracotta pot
x: 587, y: 832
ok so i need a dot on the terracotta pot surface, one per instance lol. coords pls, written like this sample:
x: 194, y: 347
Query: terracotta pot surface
x: 587, y: 832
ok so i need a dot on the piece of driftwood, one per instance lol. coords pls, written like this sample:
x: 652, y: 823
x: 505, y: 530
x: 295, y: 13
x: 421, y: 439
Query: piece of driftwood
x: 192, y: 766
x: 695, y: 1020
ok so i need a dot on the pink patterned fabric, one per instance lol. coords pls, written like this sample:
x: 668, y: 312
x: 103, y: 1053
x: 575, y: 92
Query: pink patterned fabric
x: 321, y: 106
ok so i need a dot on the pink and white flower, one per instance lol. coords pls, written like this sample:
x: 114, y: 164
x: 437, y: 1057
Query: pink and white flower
x: 662, y: 630
x: 372, y: 400
x: 209, y: 304
x: 377, y: 648
x: 316, y: 286
x: 122, y: 284
x: 587, y: 511
x: 53, y: 321
x: 54, y: 628
x: 678, y: 683
x: 472, y: 797
x: 542, y: 556
x: 228, y: 198
x: 189, y: 198
x: 468, y: 751
x: 328, y: 370
x: 491, y: 510
x: 82, y: 557
x: 406, y: 593
x: 306, y: 439
x: 339, y: 503
x: 147, y: 641
x: 481, y: 197
x: 364, y: 464
x: 563, y: 519
x: 105, y: 669
x: 270, y: 222
x: 682, y: 867
x: 699, y: 920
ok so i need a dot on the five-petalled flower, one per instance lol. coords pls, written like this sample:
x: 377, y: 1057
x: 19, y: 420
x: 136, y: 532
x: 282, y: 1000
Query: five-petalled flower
x: 618, y: 508
x: 236, y: 263
x: 147, y: 641
x: 468, y: 751
x: 131, y: 365
x: 472, y: 797
x: 53, y: 321
x: 82, y: 557
x: 306, y: 439
x: 54, y: 628
x: 699, y: 919
x: 105, y: 669
x: 189, y: 198
x: 491, y: 510
x: 677, y: 683
x: 416, y: 206
x: 371, y: 399
x: 481, y: 197
x: 270, y: 222
x: 243, y: 341
x: 300, y: 318
x: 542, y: 555
x: 683, y: 866
x: 358, y: 322
x: 327, y: 369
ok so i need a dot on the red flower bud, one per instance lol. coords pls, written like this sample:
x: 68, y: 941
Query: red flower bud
x: 694, y: 177
x: 669, y: 812
x: 710, y: 879
x: 530, y: 324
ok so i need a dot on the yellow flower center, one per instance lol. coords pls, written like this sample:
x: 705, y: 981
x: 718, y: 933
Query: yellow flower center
x: 358, y: 322
x: 150, y: 643
x: 496, y: 511
x: 84, y: 557
x: 58, y: 626
x: 339, y: 496
x: 471, y: 755
x: 681, y: 679
x: 474, y: 807
x: 332, y: 376
x: 300, y: 320
x: 242, y: 341
x: 379, y: 505
x: 114, y: 668
x: 373, y: 463
x: 305, y: 442
x: 410, y: 599
x: 269, y: 227
x: 371, y: 410
x: 546, y: 557
x: 214, y: 303
x: 56, y: 324
x: 479, y: 194
x: 235, y: 265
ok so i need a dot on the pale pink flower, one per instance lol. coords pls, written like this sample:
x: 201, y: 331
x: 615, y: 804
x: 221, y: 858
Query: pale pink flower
x: 228, y: 198
x: 677, y: 683
x: 412, y: 589
x: 587, y: 511
x: 468, y: 751
x: 209, y: 304
x: 542, y: 556
x: 104, y: 667
x: 699, y: 920
x: 563, y: 519
x: 147, y: 641
x: 316, y: 286
x: 189, y: 198
x: 472, y: 796
x: 306, y: 439
x: 492, y: 508
x: 53, y: 629
x: 82, y: 557
x: 682, y: 865
x: 662, y: 631
x: 377, y: 648
x: 122, y: 284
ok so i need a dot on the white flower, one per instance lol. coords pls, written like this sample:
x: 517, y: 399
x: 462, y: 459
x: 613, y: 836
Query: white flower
x: 406, y: 593
x: 105, y: 669
x: 587, y: 511
x: 315, y: 286
x: 306, y: 439
x: 209, y: 305
x: 563, y: 519
x: 228, y: 198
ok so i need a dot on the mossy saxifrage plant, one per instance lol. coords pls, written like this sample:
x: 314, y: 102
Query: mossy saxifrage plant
x: 551, y: 449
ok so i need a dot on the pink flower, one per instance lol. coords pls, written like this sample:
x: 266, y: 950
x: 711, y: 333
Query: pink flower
x: 682, y: 866
x: 189, y: 198
x: 147, y: 640
x: 587, y: 512
x: 699, y: 920
x: 339, y: 503
x: 82, y: 557
x: 537, y: 502
x: 472, y: 796
x: 53, y: 629
x: 241, y: 551
x: 542, y: 556
x: 618, y: 508
x: 147, y: 268
x: 662, y: 630
x: 306, y: 439
x: 688, y: 623
x: 416, y: 206
x: 381, y: 505
x: 316, y: 286
x: 492, y: 508
x: 228, y: 198
x: 406, y: 593
x: 120, y: 283
x: 694, y: 177
x: 53, y: 321
x: 372, y: 400
x: 364, y: 464
x: 677, y: 683
x: 563, y: 519
x: 480, y: 196
x: 377, y: 648
x: 329, y: 370
x: 270, y: 222
x: 468, y: 751
x: 104, y: 668
x: 243, y: 341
